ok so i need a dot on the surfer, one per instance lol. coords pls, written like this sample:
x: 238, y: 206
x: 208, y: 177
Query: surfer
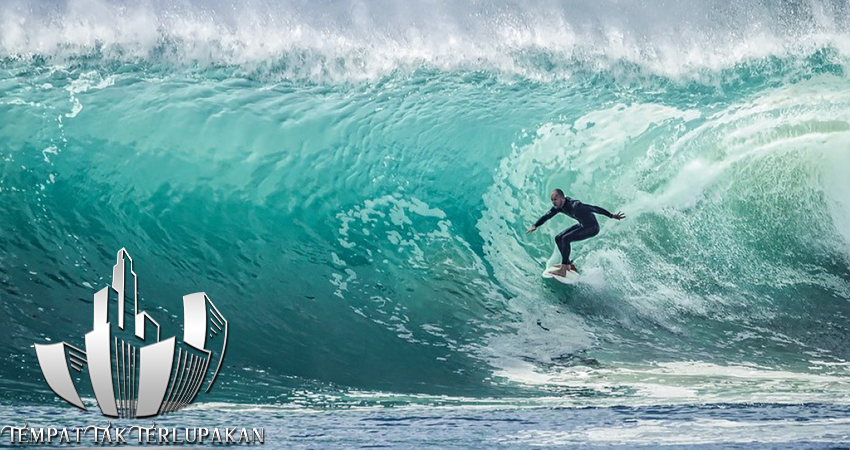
x: 586, y: 227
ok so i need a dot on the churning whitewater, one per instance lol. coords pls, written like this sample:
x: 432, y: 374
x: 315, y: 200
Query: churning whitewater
x: 351, y: 183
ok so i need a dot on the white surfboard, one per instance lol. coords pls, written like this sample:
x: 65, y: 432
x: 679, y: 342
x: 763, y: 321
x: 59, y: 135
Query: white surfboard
x: 570, y: 278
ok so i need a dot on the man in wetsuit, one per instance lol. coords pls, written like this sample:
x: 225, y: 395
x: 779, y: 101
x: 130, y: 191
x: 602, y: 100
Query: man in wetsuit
x: 586, y: 227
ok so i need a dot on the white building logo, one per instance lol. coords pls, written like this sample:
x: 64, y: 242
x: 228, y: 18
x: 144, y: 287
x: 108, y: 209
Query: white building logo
x: 136, y: 375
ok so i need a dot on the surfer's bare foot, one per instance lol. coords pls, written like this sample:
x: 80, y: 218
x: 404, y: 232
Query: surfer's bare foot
x: 560, y: 271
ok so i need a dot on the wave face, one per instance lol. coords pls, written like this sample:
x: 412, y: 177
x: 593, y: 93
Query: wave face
x: 351, y: 183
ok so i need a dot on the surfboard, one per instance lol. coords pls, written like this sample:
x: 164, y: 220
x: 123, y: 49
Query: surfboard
x: 571, y: 277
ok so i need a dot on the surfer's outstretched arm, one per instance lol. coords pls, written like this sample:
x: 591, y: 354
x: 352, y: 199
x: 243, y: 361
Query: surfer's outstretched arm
x: 606, y: 213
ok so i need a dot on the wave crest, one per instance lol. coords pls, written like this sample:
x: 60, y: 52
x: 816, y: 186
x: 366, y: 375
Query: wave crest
x: 351, y: 41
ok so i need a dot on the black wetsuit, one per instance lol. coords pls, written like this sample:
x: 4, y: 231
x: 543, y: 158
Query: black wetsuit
x: 586, y: 227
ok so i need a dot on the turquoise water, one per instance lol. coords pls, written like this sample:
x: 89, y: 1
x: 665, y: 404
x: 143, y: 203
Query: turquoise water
x: 351, y: 184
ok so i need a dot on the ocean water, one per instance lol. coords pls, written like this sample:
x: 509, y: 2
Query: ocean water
x: 350, y: 182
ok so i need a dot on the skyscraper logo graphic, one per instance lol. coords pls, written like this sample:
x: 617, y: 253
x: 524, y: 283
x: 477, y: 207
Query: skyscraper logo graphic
x: 136, y: 375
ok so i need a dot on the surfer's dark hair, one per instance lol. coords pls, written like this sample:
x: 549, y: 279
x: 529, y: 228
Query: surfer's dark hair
x: 560, y: 192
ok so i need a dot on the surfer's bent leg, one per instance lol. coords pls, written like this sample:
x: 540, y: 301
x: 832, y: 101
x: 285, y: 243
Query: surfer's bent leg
x: 573, y: 234
x: 564, y: 244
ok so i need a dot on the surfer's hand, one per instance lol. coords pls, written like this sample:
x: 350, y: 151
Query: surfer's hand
x: 619, y: 216
x: 531, y: 229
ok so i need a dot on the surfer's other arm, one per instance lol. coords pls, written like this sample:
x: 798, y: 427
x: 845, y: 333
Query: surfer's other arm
x: 550, y: 214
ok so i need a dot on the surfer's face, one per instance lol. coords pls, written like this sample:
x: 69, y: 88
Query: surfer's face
x: 557, y: 200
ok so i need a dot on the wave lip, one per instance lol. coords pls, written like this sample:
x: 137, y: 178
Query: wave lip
x: 351, y: 41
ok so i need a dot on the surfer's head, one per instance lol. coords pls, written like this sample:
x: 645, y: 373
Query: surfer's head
x: 558, y: 198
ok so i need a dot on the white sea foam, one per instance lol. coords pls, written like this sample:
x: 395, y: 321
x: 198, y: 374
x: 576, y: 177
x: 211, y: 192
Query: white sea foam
x: 701, y: 431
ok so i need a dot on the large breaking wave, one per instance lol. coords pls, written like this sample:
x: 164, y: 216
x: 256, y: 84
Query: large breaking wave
x: 351, y: 182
